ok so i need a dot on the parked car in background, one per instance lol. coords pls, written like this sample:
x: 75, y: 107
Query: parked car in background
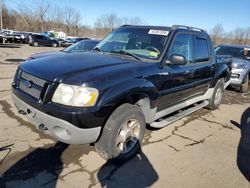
x: 37, y: 40
x: 80, y: 46
x: 241, y: 64
x: 71, y: 41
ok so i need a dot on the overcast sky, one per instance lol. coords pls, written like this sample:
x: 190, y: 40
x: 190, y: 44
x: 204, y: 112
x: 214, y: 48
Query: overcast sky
x: 200, y: 13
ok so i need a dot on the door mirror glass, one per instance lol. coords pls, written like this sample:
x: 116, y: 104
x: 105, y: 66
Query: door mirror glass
x: 247, y: 53
x: 177, y: 59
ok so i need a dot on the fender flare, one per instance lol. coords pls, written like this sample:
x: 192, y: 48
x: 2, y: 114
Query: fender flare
x: 223, y: 71
x: 115, y: 93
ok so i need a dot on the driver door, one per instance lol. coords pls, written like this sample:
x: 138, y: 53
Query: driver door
x: 177, y: 80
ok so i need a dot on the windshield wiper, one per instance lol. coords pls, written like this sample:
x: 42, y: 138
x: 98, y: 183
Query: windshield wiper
x: 123, y: 52
x: 97, y: 49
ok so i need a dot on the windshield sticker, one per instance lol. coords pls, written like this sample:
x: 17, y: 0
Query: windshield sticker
x: 158, y: 32
x: 153, y: 54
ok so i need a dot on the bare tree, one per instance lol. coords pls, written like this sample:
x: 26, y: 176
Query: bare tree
x: 217, y: 34
x: 132, y: 21
x: 42, y: 7
x: 247, y: 39
x: 72, y: 19
x: 239, y: 35
x: 108, y: 21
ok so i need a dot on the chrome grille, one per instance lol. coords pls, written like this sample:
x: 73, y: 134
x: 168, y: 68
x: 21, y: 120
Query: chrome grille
x: 34, y: 79
x: 35, y: 86
x: 31, y: 91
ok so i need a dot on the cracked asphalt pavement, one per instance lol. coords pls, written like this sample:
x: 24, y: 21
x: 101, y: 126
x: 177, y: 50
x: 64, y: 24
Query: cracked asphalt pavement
x: 204, y: 149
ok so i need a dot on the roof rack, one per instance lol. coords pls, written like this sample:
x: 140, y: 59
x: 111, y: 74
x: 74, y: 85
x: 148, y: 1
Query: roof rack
x: 188, y: 28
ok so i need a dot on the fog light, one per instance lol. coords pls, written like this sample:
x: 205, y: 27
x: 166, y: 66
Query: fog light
x: 62, y: 133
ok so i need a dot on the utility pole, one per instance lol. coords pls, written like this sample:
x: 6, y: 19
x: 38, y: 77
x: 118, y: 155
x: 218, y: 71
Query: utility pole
x: 1, y: 14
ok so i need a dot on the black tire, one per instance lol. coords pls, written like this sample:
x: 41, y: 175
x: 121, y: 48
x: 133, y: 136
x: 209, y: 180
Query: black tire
x: 35, y: 44
x: 213, y: 102
x: 107, y: 145
x: 244, y: 86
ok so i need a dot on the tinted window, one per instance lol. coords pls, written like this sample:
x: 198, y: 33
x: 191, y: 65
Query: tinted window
x: 236, y: 52
x: 182, y: 45
x: 201, y: 50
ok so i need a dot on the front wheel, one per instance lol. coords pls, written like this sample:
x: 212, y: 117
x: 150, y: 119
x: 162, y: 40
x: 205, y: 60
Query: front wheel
x: 215, y: 100
x: 122, y: 134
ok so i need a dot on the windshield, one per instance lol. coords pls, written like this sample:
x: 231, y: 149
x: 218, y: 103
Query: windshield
x: 236, y: 52
x: 139, y: 42
x: 81, y: 46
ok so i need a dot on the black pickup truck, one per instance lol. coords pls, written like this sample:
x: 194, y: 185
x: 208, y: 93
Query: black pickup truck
x: 137, y: 75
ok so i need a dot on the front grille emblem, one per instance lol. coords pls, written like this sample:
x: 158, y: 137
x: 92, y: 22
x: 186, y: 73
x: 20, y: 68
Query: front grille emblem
x: 28, y: 84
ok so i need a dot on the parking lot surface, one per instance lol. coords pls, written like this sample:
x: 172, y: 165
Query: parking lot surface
x: 204, y: 149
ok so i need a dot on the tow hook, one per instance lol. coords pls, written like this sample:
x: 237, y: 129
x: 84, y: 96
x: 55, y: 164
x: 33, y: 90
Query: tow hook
x: 42, y: 127
x: 22, y: 112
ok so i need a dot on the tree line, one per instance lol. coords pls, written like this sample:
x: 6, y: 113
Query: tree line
x: 237, y: 36
x: 43, y: 16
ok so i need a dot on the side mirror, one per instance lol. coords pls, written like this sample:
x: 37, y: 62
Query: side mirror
x: 177, y: 59
x: 247, y: 54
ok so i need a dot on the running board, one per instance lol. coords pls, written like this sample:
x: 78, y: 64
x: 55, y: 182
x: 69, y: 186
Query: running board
x: 179, y: 114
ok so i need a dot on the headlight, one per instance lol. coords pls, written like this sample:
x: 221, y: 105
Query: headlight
x: 239, y: 66
x: 75, y: 95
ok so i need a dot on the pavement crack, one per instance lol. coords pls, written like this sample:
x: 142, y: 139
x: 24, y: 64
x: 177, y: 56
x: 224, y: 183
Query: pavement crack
x: 185, y: 137
x: 220, y: 124
x: 4, y: 90
x: 6, y: 78
x: 147, y: 142
x: 196, y: 142
x: 174, y: 148
x: 6, y: 107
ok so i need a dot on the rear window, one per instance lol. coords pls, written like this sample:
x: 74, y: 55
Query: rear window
x: 201, y: 50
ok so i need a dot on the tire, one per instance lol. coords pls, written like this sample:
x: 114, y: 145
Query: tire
x: 244, y: 86
x: 54, y: 45
x: 35, y: 44
x: 117, y: 129
x: 215, y: 100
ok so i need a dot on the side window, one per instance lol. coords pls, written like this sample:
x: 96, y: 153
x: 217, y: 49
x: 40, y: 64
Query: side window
x: 182, y: 45
x: 201, y: 50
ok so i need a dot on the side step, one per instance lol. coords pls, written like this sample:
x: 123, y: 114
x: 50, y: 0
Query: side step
x: 178, y: 115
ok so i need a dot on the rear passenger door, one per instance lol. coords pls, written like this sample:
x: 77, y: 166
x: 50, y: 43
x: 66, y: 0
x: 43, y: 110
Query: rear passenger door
x: 203, y: 64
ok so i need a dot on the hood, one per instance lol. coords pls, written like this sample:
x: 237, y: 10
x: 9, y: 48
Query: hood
x: 44, y: 54
x: 65, y: 65
x: 240, y: 61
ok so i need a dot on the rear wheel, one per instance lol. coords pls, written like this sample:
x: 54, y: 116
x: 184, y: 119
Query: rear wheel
x: 244, y: 86
x: 215, y: 100
x: 122, y: 134
x: 54, y: 45
x: 35, y: 44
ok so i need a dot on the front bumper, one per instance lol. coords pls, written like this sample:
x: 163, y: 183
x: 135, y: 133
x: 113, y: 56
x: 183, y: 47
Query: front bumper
x: 237, y: 76
x: 58, y: 128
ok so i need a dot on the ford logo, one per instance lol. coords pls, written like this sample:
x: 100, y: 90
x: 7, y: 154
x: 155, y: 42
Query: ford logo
x: 28, y: 83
